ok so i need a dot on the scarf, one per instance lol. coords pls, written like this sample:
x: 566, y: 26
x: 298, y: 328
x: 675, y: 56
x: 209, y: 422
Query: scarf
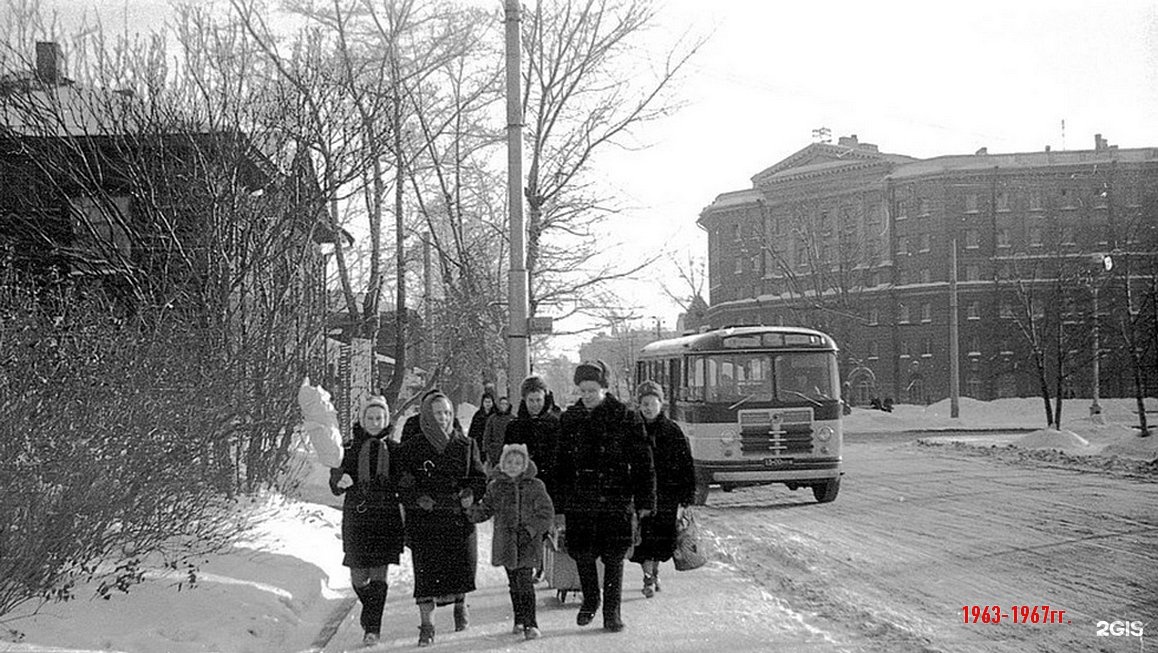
x: 430, y: 428
x: 366, y: 453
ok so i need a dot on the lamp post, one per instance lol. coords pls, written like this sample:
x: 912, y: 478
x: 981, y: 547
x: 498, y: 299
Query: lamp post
x: 1106, y: 264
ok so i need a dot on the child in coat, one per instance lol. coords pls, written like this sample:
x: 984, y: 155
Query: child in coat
x: 523, y: 514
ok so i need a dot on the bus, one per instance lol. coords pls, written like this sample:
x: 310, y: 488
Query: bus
x: 758, y: 404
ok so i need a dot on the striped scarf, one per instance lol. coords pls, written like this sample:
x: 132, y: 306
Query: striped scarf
x: 381, y: 459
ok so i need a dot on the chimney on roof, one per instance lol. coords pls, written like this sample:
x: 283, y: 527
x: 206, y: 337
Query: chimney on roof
x: 983, y: 151
x: 847, y: 141
x: 49, y: 62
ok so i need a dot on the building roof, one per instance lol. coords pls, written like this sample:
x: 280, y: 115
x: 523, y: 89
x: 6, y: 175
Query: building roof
x: 980, y: 162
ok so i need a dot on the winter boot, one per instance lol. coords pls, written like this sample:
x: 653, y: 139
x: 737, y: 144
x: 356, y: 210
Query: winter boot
x: 461, y: 617
x: 426, y: 634
x: 589, y: 581
x: 517, y: 606
x: 648, y: 567
x: 612, y: 593
x: 373, y: 596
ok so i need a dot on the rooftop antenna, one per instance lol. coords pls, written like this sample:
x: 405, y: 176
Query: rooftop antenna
x: 1063, y: 134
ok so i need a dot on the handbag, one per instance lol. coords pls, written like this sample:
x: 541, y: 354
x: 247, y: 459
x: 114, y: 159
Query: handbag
x: 687, y: 555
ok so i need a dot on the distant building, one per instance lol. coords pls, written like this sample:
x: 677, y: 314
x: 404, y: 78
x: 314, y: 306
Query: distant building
x: 858, y: 242
x: 619, y: 350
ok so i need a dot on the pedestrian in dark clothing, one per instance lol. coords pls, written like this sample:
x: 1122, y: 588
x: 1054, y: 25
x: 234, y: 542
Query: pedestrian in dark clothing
x: 523, y: 514
x: 372, y: 530
x: 537, y: 426
x: 675, y: 485
x: 439, y: 477
x: 478, y: 423
x: 495, y: 432
x: 606, y: 479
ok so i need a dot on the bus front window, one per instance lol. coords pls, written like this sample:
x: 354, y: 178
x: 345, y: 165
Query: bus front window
x: 805, y: 376
x: 738, y: 377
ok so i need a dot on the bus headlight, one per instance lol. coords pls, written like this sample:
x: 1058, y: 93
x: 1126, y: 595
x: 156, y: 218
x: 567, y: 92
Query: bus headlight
x: 728, y: 439
x: 824, y: 433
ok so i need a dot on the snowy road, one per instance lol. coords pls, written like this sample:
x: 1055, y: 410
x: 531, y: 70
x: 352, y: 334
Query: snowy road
x: 918, y: 533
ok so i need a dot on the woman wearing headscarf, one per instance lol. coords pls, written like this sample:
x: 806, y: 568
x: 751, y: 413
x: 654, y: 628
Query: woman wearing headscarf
x: 440, y: 475
x: 675, y: 485
x: 372, y: 531
x: 605, y: 478
x: 478, y: 423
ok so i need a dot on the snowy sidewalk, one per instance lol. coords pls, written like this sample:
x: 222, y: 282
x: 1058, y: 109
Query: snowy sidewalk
x: 711, y: 608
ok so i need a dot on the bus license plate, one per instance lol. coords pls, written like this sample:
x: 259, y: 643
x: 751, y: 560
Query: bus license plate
x: 777, y: 463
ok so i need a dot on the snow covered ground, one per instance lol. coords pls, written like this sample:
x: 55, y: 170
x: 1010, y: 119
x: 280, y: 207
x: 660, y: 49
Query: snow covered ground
x: 280, y: 587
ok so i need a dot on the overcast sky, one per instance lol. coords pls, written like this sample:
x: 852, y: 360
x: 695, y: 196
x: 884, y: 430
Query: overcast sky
x: 915, y: 78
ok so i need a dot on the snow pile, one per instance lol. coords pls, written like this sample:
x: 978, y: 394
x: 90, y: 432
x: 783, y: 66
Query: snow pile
x: 1063, y: 440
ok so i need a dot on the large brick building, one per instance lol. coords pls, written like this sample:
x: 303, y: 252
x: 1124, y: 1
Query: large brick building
x: 859, y: 243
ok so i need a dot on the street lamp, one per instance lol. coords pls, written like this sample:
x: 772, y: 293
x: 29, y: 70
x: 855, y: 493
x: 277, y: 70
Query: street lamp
x: 1106, y: 264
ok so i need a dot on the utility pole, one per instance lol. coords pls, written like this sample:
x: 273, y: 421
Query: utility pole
x: 517, y: 359
x: 954, y: 347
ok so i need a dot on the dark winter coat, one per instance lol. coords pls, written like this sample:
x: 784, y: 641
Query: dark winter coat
x: 443, y: 543
x: 372, y: 530
x: 675, y: 485
x: 523, y: 514
x: 478, y: 423
x: 604, y: 474
x: 541, y: 435
x: 494, y: 436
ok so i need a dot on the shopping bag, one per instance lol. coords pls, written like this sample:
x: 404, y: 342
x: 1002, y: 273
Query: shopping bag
x: 687, y: 555
x: 320, y: 423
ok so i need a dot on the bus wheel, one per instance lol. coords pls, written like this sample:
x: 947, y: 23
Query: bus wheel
x: 826, y: 491
x: 701, y: 496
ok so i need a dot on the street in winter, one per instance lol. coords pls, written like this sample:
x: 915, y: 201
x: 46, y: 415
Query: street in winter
x: 578, y: 325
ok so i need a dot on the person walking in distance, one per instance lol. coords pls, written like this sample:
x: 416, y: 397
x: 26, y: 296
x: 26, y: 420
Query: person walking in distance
x: 372, y: 530
x: 523, y: 514
x: 606, y: 479
x: 675, y: 485
x: 495, y: 433
x: 439, y: 477
x: 478, y: 423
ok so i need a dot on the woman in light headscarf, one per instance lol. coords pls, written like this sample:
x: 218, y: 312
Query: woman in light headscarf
x: 440, y: 475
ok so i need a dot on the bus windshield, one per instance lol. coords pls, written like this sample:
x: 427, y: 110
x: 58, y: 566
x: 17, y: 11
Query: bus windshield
x: 762, y: 377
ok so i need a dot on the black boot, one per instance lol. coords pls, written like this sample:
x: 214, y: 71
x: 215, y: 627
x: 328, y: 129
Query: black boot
x: 461, y: 616
x: 612, y: 593
x: 517, y: 606
x: 589, y: 582
x: 373, y: 596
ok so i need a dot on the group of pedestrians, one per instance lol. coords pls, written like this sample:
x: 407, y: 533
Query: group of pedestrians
x: 613, y: 476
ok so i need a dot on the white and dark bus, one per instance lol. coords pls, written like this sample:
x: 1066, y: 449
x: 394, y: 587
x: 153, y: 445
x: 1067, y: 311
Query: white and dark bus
x: 758, y: 404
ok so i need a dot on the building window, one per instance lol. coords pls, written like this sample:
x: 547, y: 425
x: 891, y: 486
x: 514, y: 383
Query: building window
x: 926, y: 275
x: 739, y: 266
x: 902, y: 245
x: 874, y: 351
x: 927, y: 349
x: 904, y: 349
x: 1035, y: 236
x: 926, y: 240
x: 1034, y: 200
x: 972, y: 272
x: 737, y: 232
x: 874, y: 316
x: 972, y: 239
x: 974, y: 345
x: 926, y: 312
x: 1067, y: 236
x: 1003, y: 238
x: 1068, y: 198
x: 1006, y: 309
x: 973, y: 387
x: 1006, y: 347
x: 1003, y: 201
x: 922, y: 207
x: 98, y: 234
x: 902, y: 314
x: 973, y: 310
x: 971, y: 203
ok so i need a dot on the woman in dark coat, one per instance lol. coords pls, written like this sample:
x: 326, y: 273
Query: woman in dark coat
x: 675, y: 485
x: 537, y: 426
x: 478, y: 423
x: 495, y: 433
x: 439, y: 476
x: 605, y: 477
x: 372, y: 531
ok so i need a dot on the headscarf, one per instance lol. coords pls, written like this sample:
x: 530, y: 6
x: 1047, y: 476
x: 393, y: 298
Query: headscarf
x: 430, y: 428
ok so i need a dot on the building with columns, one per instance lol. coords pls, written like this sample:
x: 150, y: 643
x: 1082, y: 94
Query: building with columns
x: 860, y: 243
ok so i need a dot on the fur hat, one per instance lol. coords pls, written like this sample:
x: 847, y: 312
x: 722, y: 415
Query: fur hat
x: 371, y: 401
x: 591, y: 371
x: 649, y: 388
x: 533, y: 383
x: 515, y: 450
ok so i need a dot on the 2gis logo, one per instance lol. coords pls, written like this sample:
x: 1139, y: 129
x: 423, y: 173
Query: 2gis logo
x: 1120, y: 628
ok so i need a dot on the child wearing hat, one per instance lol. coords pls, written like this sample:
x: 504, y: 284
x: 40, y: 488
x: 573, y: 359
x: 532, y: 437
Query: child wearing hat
x: 372, y: 530
x: 523, y: 514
